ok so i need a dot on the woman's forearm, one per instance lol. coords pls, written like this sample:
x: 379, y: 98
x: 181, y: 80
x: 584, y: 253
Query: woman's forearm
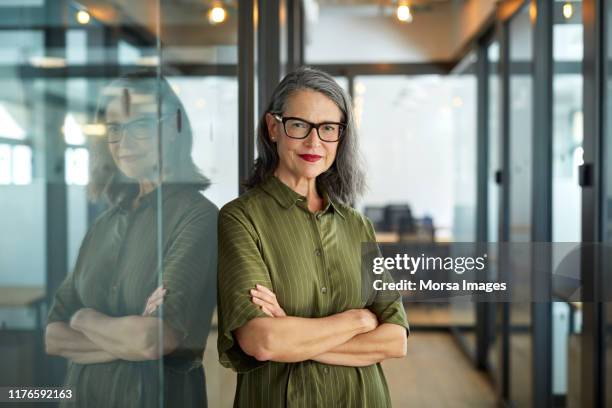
x: 60, y: 338
x: 134, y: 338
x: 293, y: 339
x: 386, y: 341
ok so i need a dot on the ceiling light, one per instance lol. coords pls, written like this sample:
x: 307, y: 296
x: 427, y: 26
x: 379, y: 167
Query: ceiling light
x: 217, y: 15
x: 404, y: 14
x: 83, y: 17
x: 568, y: 10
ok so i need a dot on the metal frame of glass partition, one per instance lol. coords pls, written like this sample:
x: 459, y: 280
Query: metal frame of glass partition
x: 595, y: 72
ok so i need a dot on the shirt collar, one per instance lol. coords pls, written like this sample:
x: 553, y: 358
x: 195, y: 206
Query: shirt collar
x: 287, y: 198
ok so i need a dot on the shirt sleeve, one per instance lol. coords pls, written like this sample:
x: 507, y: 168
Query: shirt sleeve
x: 241, y: 267
x: 189, y: 276
x: 387, y: 305
x: 66, y: 300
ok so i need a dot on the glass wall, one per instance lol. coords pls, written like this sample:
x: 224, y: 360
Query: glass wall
x: 117, y: 147
x: 420, y: 172
x: 567, y: 195
x: 520, y: 185
x: 463, y: 311
x: 397, y: 135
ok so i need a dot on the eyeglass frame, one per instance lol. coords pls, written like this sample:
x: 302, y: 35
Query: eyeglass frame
x: 284, y: 119
x: 122, y: 128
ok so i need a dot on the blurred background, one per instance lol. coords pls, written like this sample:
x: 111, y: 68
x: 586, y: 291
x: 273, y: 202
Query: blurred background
x: 480, y: 121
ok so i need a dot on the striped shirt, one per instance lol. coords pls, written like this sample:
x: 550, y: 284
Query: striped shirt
x: 116, y: 271
x: 311, y: 261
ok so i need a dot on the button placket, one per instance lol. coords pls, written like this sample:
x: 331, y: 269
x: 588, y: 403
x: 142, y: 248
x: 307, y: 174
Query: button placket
x: 315, y: 218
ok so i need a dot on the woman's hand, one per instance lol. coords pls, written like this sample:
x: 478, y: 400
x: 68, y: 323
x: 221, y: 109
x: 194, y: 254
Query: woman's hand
x: 154, y: 301
x: 266, y: 300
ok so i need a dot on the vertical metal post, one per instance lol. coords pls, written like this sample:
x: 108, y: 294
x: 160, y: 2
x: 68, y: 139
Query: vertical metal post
x: 482, y: 185
x: 268, y: 51
x: 295, y: 33
x: 56, y: 217
x: 247, y: 10
x: 541, y: 204
x: 594, y: 98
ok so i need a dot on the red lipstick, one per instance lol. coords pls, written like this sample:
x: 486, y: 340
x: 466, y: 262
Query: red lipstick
x: 310, y: 157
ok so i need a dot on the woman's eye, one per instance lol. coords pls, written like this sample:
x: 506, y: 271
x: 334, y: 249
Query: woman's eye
x: 329, y: 128
x: 299, y: 125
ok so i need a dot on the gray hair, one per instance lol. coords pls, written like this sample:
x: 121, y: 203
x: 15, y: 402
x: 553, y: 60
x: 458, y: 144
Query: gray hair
x: 344, y: 181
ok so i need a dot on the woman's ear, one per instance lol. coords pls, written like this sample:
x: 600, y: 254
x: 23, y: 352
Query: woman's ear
x: 272, y: 125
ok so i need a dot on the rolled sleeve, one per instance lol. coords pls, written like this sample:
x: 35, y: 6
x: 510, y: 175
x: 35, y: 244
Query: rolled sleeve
x: 241, y: 267
x: 66, y: 302
x: 189, y: 276
x: 387, y: 305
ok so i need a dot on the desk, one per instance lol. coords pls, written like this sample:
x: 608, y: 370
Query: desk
x: 387, y: 237
x: 19, y: 296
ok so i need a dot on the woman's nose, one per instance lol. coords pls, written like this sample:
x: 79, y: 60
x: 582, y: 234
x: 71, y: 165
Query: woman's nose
x: 313, y: 138
x: 126, y: 138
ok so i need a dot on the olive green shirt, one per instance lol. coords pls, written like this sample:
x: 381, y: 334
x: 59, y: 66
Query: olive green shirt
x: 312, y: 262
x: 117, y: 270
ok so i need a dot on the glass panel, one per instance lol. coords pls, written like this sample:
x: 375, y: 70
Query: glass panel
x: 463, y: 121
x: 203, y: 107
x: 401, y: 108
x: 567, y: 195
x: 521, y: 83
x: 103, y: 225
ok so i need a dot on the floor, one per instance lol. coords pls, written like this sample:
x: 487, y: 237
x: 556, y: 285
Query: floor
x: 434, y: 374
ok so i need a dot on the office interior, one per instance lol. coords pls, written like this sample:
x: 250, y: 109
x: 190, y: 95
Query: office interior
x: 479, y: 121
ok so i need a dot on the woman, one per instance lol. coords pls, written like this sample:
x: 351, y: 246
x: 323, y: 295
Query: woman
x: 107, y: 318
x: 295, y: 320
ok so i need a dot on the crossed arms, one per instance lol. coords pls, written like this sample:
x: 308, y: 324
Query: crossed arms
x: 93, y: 337
x: 350, y: 338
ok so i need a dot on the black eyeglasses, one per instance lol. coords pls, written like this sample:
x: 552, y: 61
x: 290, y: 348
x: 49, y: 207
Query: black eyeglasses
x: 298, y: 128
x: 139, y: 129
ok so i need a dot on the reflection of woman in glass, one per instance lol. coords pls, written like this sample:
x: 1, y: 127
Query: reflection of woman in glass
x: 295, y: 321
x: 115, y: 318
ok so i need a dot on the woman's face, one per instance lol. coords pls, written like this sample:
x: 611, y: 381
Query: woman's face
x: 309, y: 157
x: 132, y: 136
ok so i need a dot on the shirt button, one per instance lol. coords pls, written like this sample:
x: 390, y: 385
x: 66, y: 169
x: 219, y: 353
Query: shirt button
x: 318, y: 252
x: 326, y: 370
x: 324, y: 289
